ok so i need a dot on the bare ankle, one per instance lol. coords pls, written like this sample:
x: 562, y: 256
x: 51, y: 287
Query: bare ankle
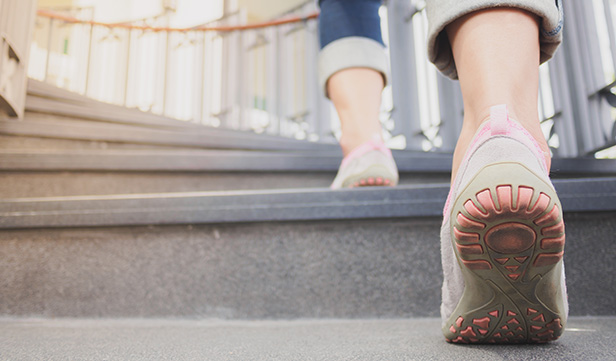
x: 352, y: 141
x: 474, y: 120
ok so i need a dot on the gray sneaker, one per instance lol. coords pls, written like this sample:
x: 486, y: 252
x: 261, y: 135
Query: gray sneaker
x: 370, y: 164
x: 502, y: 242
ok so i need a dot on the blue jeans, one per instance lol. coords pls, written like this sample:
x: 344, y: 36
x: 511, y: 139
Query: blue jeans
x: 346, y: 18
x: 350, y: 32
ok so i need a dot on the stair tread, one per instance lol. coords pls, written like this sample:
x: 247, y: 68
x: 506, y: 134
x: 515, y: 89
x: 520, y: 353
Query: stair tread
x: 249, y: 160
x: 19, y: 184
x: 421, y: 200
x: 320, y: 339
x: 49, y: 126
x: 197, y: 160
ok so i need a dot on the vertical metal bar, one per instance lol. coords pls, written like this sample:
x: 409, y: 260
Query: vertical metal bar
x: 277, y: 72
x: 49, y: 37
x: 230, y: 8
x: 403, y: 72
x: 285, y: 79
x: 271, y: 73
x: 165, y: 72
x: 310, y: 60
x: 573, y: 47
x: 240, y: 97
x: 89, y: 61
x: 599, y: 112
x: 225, y: 84
x: 610, y: 29
x: 127, y: 73
x: 564, y: 124
x: 451, y: 109
x: 251, y: 61
x: 601, y: 109
x: 225, y: 80
x: 587, y: 32
x: 201, y: 98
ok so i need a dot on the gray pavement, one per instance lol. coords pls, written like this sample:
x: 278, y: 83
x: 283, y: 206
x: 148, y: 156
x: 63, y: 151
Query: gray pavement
x: 155, y: 339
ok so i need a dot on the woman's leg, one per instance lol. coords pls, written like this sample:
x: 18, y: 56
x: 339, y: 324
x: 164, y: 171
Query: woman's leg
x: 356, y: 94
x: 352, y: 72
x: 503, y: 235
x: 348, y: 28
x: 496, y: 53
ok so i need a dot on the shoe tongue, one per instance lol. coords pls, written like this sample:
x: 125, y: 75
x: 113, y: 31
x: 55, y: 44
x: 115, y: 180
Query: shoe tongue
x: 499, y: 120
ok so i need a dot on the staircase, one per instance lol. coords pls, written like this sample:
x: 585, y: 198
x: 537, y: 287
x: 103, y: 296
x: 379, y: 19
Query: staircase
x: 131, y: 236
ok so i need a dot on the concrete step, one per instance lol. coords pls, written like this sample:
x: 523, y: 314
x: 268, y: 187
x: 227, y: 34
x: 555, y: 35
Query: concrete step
x: 587, y: 338
x: 63, y: 172
x: 354, y: 268
x: 99, y: 157
x: 60, y: 183
x: 32, y: 144
x: 62, y: 127
x: 200, y: 160
x: 96, y: 169
x: 48, y: 99
x: 576, y: 195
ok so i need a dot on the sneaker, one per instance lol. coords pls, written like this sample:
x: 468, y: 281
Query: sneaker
x: 370, y: 164
x: 502, y: 242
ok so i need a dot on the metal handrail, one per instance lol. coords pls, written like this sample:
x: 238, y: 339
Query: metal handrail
x: 262, y: 76
x: 129, y: 26
x: 219, y: 93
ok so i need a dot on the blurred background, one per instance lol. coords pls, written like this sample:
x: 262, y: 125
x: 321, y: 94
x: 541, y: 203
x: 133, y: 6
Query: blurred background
x: 172, y: 58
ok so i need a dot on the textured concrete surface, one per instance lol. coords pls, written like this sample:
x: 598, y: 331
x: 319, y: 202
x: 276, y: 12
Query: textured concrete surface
x: 53, y: 184
x: 14, y: 142
x: 272, y: 270
x: 230, y: 207
x: 589, y: 261
x: 306, y: 204
x: 413, y: 339
x: 333, y: 269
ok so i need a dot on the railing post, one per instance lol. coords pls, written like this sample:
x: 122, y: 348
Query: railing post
x: 128, y: 53
x: 564, y: 123
x: 165, y: 72
x: 451, y: 108
x: 272, y: 89
x: 240, y: 93
x: 88, y: 61
x: 322, y: 111
x: 582, y: 55
x: 49, y: 38
x: 610, y: 29
x: 312, y: 87
x: 200, y: 66
x: 403, y: 72
x: 279, y: 81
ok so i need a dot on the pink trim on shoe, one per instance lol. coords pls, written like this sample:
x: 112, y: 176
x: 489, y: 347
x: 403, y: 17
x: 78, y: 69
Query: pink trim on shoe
x: 499, y: 125
x: 365, y: 148
x: 499, y: 120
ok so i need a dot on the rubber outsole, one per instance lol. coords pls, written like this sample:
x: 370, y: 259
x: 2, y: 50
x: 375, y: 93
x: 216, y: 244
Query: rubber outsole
x: 508, y: 235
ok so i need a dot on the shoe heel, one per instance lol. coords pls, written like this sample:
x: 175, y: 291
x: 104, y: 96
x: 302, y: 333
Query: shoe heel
x: 508, y: 235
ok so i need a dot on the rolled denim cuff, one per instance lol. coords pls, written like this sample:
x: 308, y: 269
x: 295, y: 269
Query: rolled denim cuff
x: 351, y: 52
x: 442, y: 12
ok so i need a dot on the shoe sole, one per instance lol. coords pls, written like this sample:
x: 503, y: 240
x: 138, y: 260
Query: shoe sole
x: 508, y: 235
x: 372, y: 176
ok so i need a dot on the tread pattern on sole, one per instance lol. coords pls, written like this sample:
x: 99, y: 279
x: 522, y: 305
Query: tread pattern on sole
x: 508, y: 236
x: 499, y: 326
